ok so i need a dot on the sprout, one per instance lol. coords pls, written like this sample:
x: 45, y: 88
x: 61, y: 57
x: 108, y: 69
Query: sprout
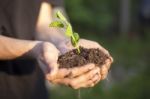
x: 63, y: 23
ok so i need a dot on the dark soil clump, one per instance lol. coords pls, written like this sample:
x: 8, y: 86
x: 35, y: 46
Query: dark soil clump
x: 73, y: 59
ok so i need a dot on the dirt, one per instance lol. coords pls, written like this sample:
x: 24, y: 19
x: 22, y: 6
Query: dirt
x: 75, y: 59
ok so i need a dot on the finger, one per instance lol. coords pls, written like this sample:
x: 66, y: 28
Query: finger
x: 76, y: 71
x: 108, y: 63
x: 67, y: 82
x: 104, y: 50
x: 85, y: 85
x: 90, y: 83
x: 75, y: 83
x: 64, y: 81
x: 88, y: 43
x: 53, y: 71
x: 98, y: 80
x: 85, y: 77
x: 51, y: 55
x: 51, y: 61
x: 111, y: 59
x: 43, y: 66
x: 92, y: 44
x: 52, y: 64
x: 104, y: 72
x: 47, y: 69
x: 62, y: 73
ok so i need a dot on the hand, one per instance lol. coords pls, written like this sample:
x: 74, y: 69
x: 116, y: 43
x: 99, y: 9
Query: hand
x: 108, y: 62
x: 66, y: 46
x: 85, y: 76
x: 47, y: 54
x: 78, y: 77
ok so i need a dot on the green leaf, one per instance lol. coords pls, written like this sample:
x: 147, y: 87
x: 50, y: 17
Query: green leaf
x: 60, y: 16
x: 57, y: 24
x: 76, y: 36
x: 69, y: 31
x: 75, y: 39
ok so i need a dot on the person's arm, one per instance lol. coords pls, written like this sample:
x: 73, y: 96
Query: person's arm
x: 47, y: 55
x: 11, y: 48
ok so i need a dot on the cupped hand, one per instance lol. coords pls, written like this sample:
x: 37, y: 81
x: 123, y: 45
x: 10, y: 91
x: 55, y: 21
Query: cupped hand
x: 78, y: 77
x: 47, y: 55
x: 92, y: 44
x: 67, y: 46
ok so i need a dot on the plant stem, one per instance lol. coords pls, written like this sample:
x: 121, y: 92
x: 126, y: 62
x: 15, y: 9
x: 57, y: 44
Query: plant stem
x: 77, y: 47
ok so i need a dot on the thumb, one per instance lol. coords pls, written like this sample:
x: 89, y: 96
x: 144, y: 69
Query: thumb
x: 53, y: 68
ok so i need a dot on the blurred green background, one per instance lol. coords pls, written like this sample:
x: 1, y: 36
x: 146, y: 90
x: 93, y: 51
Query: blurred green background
x: 116, y: 25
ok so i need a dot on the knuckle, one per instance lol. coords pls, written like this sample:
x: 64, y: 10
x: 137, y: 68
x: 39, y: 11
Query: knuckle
x: 94, y: 78
x: 90, y: 82
x: 96, y: 71
x: 104, y: 70
x: 75, y: 88
x: 92, y: 85
x: 90, y: 75
x: 104, y: 76
x: 72, y: 84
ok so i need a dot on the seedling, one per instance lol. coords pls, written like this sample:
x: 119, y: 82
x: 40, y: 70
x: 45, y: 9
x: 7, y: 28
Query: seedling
x: 63, y: 23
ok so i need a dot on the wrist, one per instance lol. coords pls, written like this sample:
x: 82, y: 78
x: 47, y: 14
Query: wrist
x: 35, y: 47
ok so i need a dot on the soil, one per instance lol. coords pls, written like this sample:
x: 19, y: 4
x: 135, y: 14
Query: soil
x: 75, y: 59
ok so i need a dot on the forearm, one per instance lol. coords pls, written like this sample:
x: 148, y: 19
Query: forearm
x: 13, y: 48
